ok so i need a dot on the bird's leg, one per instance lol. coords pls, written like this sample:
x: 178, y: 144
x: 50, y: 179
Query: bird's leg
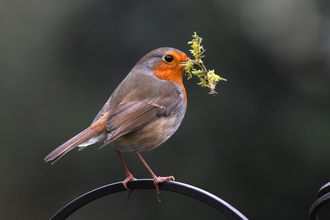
x: 156, y: 179
x: 129, y: 176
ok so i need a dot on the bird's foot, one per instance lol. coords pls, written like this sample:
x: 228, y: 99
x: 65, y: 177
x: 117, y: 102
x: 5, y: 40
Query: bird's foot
x: 129, y: 177
x: 161, y: 179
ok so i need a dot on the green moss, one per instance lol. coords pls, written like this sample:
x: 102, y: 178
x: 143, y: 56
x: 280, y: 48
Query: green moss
x: 207, y: 78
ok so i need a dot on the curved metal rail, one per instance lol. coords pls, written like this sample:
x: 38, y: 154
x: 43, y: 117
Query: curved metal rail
x: 172, y: 186
x: 323, y: 199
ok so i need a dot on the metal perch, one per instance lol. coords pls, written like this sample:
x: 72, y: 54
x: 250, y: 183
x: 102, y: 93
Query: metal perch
x: 172, y: 186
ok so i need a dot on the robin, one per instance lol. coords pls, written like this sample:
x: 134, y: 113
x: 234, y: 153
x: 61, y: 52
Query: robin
x: 143, y: 112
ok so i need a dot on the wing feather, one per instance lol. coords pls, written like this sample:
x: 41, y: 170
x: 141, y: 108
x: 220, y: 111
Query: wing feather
x: 132, y: 115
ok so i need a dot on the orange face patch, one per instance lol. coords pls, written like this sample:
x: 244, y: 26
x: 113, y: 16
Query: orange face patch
x: 171, y: 67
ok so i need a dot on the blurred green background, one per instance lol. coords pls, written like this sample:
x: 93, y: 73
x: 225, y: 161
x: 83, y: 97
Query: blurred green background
x: 261, y: 144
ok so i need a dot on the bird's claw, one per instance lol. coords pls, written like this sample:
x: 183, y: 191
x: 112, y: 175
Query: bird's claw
x: 161, y: 179
x: 129, y: 177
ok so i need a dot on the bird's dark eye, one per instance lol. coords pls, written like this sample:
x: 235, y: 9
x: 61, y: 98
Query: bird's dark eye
x: 168, y: 58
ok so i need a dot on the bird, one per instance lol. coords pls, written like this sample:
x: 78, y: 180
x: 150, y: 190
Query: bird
x: 145, y: 109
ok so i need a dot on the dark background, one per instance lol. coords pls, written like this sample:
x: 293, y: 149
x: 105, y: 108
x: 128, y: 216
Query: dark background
x: 261, y: 144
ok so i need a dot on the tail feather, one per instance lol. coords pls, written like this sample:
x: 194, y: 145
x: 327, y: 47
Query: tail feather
x: 59, y: 152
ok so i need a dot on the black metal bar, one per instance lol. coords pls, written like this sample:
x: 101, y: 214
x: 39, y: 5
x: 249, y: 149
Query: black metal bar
x: 324, y: 190
x: 323, y: 199
x: 172, y: 186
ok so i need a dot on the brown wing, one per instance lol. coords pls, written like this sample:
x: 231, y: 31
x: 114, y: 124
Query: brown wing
x: 133, y: 115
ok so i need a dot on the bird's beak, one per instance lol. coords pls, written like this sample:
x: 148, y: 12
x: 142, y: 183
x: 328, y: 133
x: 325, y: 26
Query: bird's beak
x: 185, y: 62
